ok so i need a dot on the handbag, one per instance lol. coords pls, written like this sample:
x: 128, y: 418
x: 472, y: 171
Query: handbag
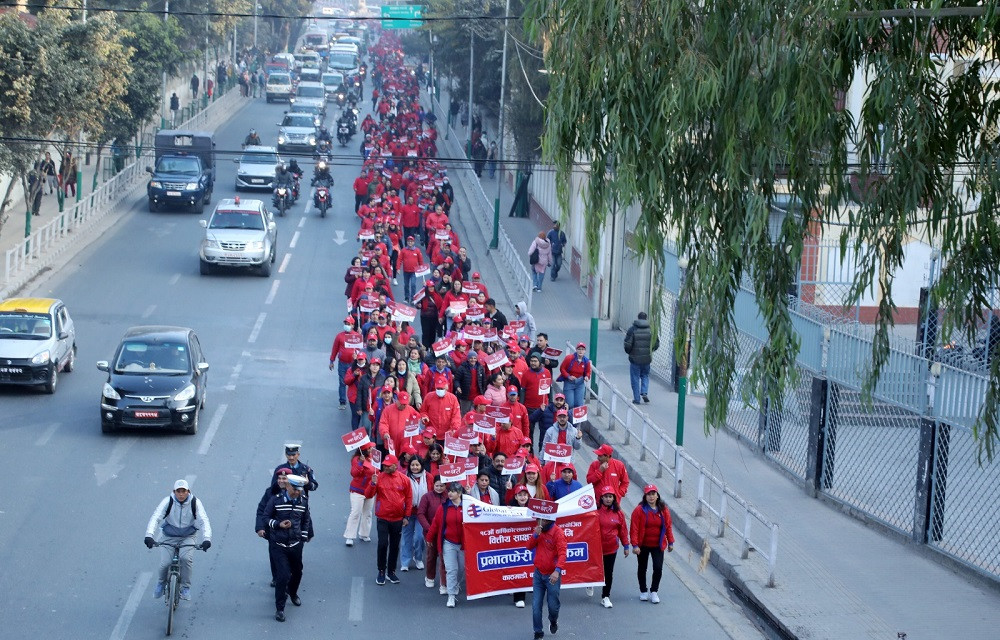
x: 533, y: 258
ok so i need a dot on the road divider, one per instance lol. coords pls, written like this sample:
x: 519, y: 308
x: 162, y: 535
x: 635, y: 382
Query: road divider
x: 284, y: 263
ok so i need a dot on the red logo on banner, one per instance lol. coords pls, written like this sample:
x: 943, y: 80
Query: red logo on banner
x: 515, y: 325
x: 443, y: 346
x: 500, y: 415
x: 513, y: 466
x: 473, y: 332
x: 471, y: 466
x: 377, y: 459
x: 456, y: 447
x: 585, y: 502
x: 496, y: 360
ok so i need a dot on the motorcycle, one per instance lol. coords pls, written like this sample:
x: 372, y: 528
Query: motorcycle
x: 341, y: 99
x: 343, y: 133
x: 322, y: 199
x: 281, y: 200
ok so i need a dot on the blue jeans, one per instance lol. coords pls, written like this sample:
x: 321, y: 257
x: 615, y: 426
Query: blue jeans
x: 639, y: 377
x: 409, y: 286
x: 412, y: 546
x: 342, y: 368
x: 574, y: 392
x: 537, y: 278
x: 543, y: 588
x: 556, y: 264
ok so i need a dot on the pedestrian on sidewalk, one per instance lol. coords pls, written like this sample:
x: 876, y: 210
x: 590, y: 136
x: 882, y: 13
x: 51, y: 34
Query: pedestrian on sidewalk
x: 613, y: 528
x: 209, y: 88
x: 557, y: 239
x: 195, y: 83
x: 639, y: 346
x: 574, y: 373
x: 67, y: 174
x: 549, y: 544
x: 35, y: 187
x: 491, y: 160
x: 539, y: 257
x: 652, y: 534
x: 175, y: 105
x: 49, y: 171
x: 393, y: 507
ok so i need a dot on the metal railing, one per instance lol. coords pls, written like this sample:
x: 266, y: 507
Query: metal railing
x: 729, y: 511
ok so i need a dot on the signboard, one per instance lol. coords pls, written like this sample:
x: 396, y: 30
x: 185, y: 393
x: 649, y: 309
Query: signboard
x: 377, y: 459
x: 403, y: 313
x: 484, y: 424
x: 495, y: 360
x: 355, y: 439
x: 455, y: 447
x: 452, y: 472
x: 422, y: 271
x: 558, y: 452
x: 539, y: 508
x: 513, y: 466
x: 500, y: 415
x: 443, y: 346
x: 579, y: 414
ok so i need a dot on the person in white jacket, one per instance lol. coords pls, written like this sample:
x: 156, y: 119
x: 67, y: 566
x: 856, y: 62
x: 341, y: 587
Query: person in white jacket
x: 180, y: 517
x: 521, y: 313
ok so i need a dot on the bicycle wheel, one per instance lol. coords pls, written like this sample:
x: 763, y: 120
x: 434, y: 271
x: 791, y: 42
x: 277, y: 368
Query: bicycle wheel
x: 173, y: 594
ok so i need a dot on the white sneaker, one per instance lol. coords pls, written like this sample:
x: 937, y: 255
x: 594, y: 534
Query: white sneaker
x: 606, y: 602
x: 404, y: 568
x: 643, y: 596
x: 443, y: 590
x: 519, y: 604
x: 428, y: 583
x: 451, y: 602
x: 394, y: 281
x: 349, y: 542
x: 655, y: 599
x: 590, y: 592
x: 420, y: 565
x: 364, y: 539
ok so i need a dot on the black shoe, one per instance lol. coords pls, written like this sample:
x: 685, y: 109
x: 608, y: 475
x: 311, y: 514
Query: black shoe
x: 297, y: 601
x: 380, y: 578
x: 539, y: 635
x: 553, y: 626
x: 279, y: 616
x: 645, y: 398
x: 636, y: 402
x: 272, y: 584
x: 392, y: 577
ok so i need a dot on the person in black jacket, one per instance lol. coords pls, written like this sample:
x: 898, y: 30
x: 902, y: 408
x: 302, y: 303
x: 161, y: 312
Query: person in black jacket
x: 497, y: 319
x: 470, y: 369
x: 639, y: 346
x: 260, y: 523
x: 289, y: 527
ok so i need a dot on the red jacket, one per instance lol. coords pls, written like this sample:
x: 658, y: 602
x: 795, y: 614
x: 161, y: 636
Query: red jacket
x: 362, y: 471
x: 447, y: 525
x: 429, y: 506
x: 393, y: 495
x: 392, y: 424
x: 507, y: 441
x: 648, y: 527
x: 615, y: 476
x: 339, y: 351
x: 361, y: 186
x: 518, y: 416
x: 411, y: 215
x: 444, y: 414
x: 613, y: 529
x: 572, y: 367
x: 529, y: 382
x: 409, y: 259
x: 550, y: 549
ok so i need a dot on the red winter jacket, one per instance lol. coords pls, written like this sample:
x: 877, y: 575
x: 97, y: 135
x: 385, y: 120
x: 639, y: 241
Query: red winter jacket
x: 444, y: 414
x: 651, y: 528
x: 392, y: 424
x: 529, y: 382
x: 393, y: 495
x: 615, y: 476
x: 361, y: 186
x: 577, y: 368
x: 362, y: 471
x: 613, y: 529
x: 447, y: 525
x: 507, y: 441
x: 339, y: 351
x: 550, y: 549
x: 409, y: 259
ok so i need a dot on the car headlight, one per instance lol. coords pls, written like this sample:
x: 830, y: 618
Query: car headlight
x: 211, y: 244
x: 312, y: 140
x: 155, y: 184
x: 256, y: 245
x: 291, y: 100
x: 185, y: 394
x: 41, y: 358
x: 110, y: 393
x: 241, y: 172
x: 281, y: 139
x: 191, y: 186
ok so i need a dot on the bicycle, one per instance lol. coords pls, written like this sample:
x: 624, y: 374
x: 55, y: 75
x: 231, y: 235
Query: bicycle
x: 172, y: 590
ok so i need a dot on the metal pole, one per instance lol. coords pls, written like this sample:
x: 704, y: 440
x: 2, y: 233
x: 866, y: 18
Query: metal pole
x: 682, y: 363
x: 79, y: 166
x: 495, y: 242
x: 430, y: 69
x: 255, y: 8
x: 472, y: 48
x: 163, y: 99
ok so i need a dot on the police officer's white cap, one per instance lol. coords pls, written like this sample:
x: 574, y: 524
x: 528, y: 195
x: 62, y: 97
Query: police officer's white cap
x: 296, y: 481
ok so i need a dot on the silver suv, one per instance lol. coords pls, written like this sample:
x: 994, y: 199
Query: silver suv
x: 239, y: 234
x: 37, y: 341
x: 256, y: 168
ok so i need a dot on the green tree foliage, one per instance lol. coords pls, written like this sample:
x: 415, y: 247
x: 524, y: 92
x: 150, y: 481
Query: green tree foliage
x: 701, y: 107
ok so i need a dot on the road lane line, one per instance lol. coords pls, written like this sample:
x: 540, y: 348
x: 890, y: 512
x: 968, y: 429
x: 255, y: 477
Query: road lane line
x: 356, y: 606
x: 149, y: 311
x: 273, y: 291
x: 174, y: 278
x: 234, y: 376
x: 309, y: 203
x: 47, y: 435
x: 295, y: 240
x: 213, y: 426
x: 110, y: 469
x: 131, y: 605
x: 190, y: 479
x: 302, y: 222
x: 284, y: 263
x: 256, y: 328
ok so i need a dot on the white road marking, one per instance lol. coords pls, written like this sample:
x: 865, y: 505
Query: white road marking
x: 149, y: 311
x: 284, y: 263
x: 174, y: 278
x: 256, y: 328
x: 234, y: 376
x: 339, y: 238
x: 107, y: 470
x: 309, y: 203
x: 302, y: 222
x: 131, y: 605
x: 190, y: 479
x: 213, y: 426
x: 274, y: 290
x: 356, y: 605
x: 47, y: 435
x: 295, y: 240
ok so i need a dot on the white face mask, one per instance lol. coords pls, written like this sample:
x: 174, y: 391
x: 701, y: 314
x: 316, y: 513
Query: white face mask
x: 439, y: 392
x: 388, y: 339
x: 347, y: 327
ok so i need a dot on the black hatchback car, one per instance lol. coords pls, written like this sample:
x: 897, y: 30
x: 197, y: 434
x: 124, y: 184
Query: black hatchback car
x: 157, y: 379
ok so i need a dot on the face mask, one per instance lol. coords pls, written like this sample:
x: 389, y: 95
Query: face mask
x: 439, y: 392
x: 347, y: 327
x: 388, y: 339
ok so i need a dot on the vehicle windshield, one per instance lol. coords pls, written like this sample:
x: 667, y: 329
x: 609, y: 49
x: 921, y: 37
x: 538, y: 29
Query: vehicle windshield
x: 298, y: 121
x: 237, y: 220
x: 178, y: 165
x: 279, y: 78
x: 311, y: 92
x: 257, y: 157
x: 342, y: 60
x: 144, y: 357
x: 333, y: 79
x: 20, y: 325
x: 316, y: 38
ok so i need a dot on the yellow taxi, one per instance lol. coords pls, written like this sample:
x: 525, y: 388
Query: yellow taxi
x: 37, y: 342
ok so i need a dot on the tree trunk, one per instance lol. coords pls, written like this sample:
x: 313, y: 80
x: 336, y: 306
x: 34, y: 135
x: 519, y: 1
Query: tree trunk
x: 4, y: 202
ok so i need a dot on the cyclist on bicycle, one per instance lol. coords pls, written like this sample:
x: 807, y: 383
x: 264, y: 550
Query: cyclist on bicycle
x: 180, y: 516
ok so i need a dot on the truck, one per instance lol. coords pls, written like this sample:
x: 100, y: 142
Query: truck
x: 184, y: 171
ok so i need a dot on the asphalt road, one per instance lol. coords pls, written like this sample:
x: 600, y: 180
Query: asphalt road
x: 72, y: 525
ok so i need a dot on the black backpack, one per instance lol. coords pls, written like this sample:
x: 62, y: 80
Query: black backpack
x: 170, y: 505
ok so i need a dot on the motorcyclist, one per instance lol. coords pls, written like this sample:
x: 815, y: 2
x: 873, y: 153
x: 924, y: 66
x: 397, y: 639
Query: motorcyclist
x: 324, y: 134
x: 251, y: 139
x: 282, y: 178
x: 321, y: 178
x: 296, y: 171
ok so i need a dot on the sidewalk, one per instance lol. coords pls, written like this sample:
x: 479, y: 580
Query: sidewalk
x: 836, y: 578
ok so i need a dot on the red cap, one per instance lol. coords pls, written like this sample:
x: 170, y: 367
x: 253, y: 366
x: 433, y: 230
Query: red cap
x: 519, y: 488
x: 387, y: 387
x: 605, y: 490
x: 475, y: 274
x: 648, y: 488
x: 461, y: 343
x: 283, y: 471
x: 360, y: 355
x: 604, y: 450
x: 562, y: 412
x: 441, y: 382
x: 403, y: 397
x: 511, y: 389
x: 525, y: 338
x: 349, y: 319
x: 429, y: 432
x: 368, y: 445
x: 408, y: 238
x: 526, y: 440
x: 470, y: 418
x: 376, y: 360
x: 372, y: 332
x: 407, y: 449
x: 531, y: 467
x: 480, y: 399
x: 389, y: 460
x: 580, y: 344
x: 559, y: 395
x: 448, y: 260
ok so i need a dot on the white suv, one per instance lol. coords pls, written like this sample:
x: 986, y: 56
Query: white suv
x: 239, y: 234
x: 257, y: 168
x: 279, y: 87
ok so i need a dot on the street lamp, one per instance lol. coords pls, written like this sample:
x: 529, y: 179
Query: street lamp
x: 495, y: 242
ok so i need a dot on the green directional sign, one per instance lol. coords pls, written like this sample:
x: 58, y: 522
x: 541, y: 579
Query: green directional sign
x: 407, y: 16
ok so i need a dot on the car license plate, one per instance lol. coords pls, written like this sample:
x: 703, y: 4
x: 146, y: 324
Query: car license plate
x: 257, y: 180
x: 174, y: 194
x: 147, y: 414
x: 232, y: 254
x: 11, y: 370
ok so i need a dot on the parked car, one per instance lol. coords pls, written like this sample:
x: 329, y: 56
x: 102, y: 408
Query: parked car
x: 157, y: 378
x: 37, y: 341
x: 239, y: 234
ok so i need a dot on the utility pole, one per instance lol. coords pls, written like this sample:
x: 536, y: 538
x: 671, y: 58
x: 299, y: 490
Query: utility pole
x: 256, y: 8
x: 79, y: 164
x: 472, y: 48
x: 495, y: 242
x: 163, y: 101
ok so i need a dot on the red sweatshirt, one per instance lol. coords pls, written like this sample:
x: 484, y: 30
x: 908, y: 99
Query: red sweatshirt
x: 447, y: 525
x: 393, y: 495
x: 613, y: 529
x: 339, y: 351
x: 550, y: 549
